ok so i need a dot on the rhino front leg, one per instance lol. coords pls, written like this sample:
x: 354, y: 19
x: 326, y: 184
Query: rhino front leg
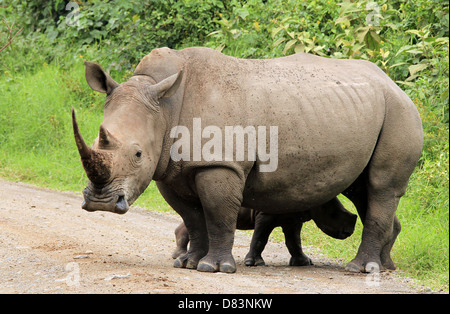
x: 264, y: 225
x: 194, y: 221
x: 220, y: 192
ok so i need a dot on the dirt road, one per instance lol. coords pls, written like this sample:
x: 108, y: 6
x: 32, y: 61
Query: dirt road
x: 48, y: 244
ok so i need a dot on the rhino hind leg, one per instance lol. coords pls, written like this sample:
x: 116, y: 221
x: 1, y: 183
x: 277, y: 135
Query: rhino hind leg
x: 182, y: 241
x: 293, y: 243
x: 386, y: 260
x: 381, y: 228
x: 395, y: 156
x: 358, y: 194
x: 264, y: 225
x: 376, y: 202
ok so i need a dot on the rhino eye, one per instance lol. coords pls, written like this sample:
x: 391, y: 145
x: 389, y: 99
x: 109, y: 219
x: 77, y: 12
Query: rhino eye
x: 139, y: 154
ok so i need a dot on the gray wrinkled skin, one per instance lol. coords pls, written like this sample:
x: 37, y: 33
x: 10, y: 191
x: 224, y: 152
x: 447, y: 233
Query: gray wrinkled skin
x: 343, y: 127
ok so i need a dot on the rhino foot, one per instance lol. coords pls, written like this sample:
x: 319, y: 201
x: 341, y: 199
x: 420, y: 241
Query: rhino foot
x: 254, y: 261
x: 213, y: 264
x: 178, y: 252
x: 388, y: 263
x: 358, y: 266
x: 302, y: 260
x: 354, y: 267
x: 187, y: 260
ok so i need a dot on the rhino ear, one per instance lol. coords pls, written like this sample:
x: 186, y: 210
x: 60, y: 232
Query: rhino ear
x: 168, y: 86
x: 98, y: 79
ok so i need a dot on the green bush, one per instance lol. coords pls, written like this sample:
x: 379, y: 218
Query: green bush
x: 120, y: 32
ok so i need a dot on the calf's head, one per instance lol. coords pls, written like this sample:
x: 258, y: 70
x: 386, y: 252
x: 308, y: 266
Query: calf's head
x: 121, y: 162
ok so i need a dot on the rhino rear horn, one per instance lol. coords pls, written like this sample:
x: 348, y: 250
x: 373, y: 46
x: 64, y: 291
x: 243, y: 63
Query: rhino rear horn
x: 106, y: 139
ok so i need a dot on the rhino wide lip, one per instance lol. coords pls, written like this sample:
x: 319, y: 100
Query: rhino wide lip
x: 115, y: 201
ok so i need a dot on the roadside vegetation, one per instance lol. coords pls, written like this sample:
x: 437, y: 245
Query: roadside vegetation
x: 42, y: 78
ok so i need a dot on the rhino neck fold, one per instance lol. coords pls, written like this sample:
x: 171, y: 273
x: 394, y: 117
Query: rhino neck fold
x: 172, y: 109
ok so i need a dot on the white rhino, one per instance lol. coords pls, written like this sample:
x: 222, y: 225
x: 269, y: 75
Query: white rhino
x: 343, y: 126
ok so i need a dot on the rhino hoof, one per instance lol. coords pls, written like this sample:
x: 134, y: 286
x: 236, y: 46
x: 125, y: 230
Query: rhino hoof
x: 365, y: 266
x: 254, y: 262
x: 211, y: 265
x: 179, y: 263
x: 300, y: 261
x: 191, y: 264
x: 354, y: 268
x: 206, y: 267
x: 227, y: 268
x: 184, y: 262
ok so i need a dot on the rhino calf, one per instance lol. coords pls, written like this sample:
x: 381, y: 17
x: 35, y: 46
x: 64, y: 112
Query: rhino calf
x: 332, y: 218
x: 343, y: 126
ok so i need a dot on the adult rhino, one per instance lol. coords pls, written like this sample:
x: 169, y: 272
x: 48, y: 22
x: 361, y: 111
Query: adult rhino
x: 343, y: 127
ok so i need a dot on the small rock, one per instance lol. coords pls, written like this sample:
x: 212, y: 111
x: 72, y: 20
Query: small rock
x: 114, y: 276
x: 81, y: 256
x: 23, y: 247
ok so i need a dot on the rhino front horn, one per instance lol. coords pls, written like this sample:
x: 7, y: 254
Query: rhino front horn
x: 83, y: 149
x: 95, y: 163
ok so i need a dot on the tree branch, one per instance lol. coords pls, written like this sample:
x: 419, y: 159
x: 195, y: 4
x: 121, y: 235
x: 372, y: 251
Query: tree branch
x: 9, y: 35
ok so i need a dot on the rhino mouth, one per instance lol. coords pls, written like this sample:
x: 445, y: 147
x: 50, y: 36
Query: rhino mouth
x: 115, y: 202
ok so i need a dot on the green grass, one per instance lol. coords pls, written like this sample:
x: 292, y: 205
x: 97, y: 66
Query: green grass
x: 151, y: 199
x: 36, y: 141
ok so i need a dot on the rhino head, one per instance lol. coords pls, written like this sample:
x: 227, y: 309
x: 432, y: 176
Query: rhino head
x: 123, y: 159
